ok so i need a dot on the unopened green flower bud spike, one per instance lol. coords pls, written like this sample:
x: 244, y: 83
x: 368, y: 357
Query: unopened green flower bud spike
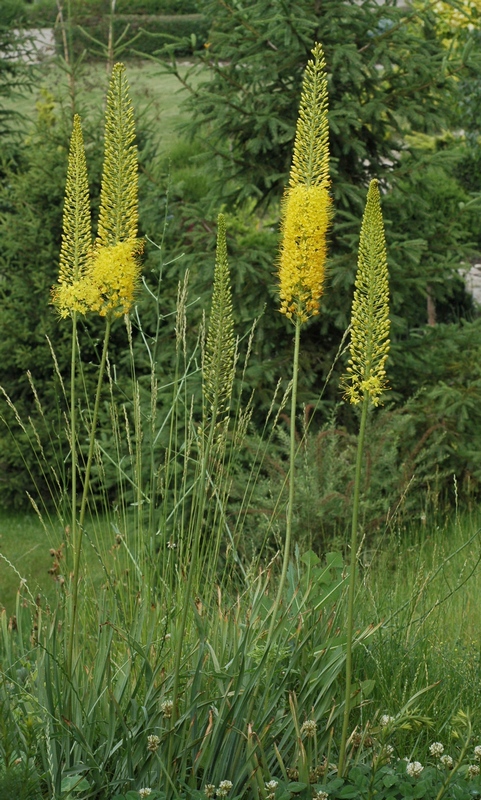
x: 365, y: 380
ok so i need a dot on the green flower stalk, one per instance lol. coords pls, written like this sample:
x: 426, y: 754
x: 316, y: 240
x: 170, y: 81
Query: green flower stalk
x: 306, y: 214
x: 370, y: 309
x: 218, y: 377
x: 119, y: 206
x: 76, y: 225
x: 365, y: 381
x: 218, y: 367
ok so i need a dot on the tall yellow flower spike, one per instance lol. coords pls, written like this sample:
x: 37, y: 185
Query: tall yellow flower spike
x: 76, y: 234
x: 306, y: 207
x: 119, y: 214
x: 370, y: 309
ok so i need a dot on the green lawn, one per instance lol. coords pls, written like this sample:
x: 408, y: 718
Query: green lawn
x: 25, y: 554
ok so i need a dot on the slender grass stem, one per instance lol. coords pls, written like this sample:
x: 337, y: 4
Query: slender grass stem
x: 290, y: 502
x: 352, y: 583
x: 83, y: 504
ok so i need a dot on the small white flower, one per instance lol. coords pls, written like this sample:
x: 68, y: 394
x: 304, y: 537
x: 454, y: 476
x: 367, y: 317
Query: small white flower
x: 446, y: 761
x: 388, y: 750
x: 414, y: 769
x: 224, y: 788
x: 145, y: 792
x: 473, y: 770
x: 385, y: 719
x: 171, y: 545
x: 167, y: 707
x: 209, y: 789
x: 477, y: 752
x: 321, y: 796
x: 309, y: 728
x: 271, y: 786
x: 153, y: 742
x: 436, y: 749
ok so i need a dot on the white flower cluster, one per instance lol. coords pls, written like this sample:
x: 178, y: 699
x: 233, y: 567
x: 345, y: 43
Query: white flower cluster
x: 447, y: 761
x: 167, y: 707
x: 414, y: 769
x: 153, y: 742
x: 385, y: 719
x: 145, y: 792
x: 224, y: 788
x: 436, y: 749
x: 477, y: 752
x: 309, y: 728
x: 271, y: 787
x: 473, y: 770
x: 321, y: 796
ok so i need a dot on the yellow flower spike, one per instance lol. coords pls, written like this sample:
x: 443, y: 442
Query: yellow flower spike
x: 306, y: 208
x: 119, y: 214
x: 370, y: 309
x: 76, y: 234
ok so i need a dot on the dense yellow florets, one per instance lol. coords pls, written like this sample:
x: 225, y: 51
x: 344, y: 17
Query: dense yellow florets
x: 108, y: 285
x: 306, y: 208
x: 306, y: 215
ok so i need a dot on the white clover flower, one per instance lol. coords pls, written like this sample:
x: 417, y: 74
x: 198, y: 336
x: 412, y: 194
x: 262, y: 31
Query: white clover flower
x: 209, y: 789
x: 385, y: 719
x: 321, y: 795
x: 145, y: 792
x: 167, y: 707
x: 224, y: 788
x: 309, y: 728
x: 153, y: 742
x: 477, y: 752
x: 436, y: 749
x: 414, y: 769
x: 271, y: 786
x: 388, y: 750
x: 447, y: 761
x: 473, y: 770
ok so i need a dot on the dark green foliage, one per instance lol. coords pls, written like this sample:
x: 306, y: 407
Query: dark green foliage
x: 14, y: 74
x: 256, y: 56
x: 393, y: 90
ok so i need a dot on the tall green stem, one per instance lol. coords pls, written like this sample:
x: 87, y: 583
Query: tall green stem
x: 352, y: 584
x: 73, y: 433
x: 290, y: 502
x: 83, y: 504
